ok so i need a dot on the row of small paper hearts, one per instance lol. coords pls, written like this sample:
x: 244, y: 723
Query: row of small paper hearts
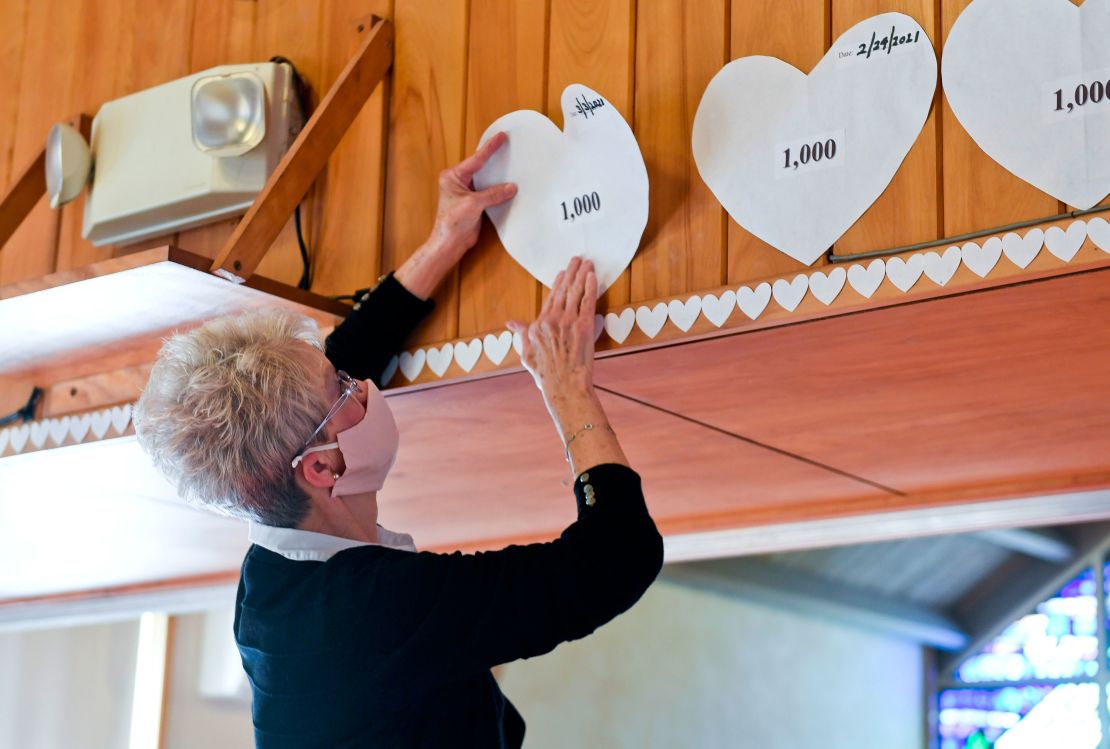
x: 938, y: 267
x: 77, y: 427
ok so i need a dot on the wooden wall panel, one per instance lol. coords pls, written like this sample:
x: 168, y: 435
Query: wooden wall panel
x: 796, y: 31
x: 908, y: 211
x: 680, y: 46
x: 350, y: 192
x: 508, y: 44
x: 593, y: 42
x: 44, y: 99
x: 13, y: 19
x: 978, y: 193
x: 427, y: 107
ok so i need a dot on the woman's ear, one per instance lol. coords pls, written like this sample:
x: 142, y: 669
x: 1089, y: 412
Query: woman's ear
x: 317, y: 471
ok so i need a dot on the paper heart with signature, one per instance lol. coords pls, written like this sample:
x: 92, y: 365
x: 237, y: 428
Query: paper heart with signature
x: 796, y: 159
x: 1028, y: 81
x: 582, y: 190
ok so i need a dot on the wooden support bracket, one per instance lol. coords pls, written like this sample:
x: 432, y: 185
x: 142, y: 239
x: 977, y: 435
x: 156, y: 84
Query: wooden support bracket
x: 308, y: 155
x: 30, y: 186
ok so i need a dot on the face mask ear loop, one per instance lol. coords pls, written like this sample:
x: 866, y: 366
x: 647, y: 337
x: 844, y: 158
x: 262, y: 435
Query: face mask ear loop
x: 318, y: 448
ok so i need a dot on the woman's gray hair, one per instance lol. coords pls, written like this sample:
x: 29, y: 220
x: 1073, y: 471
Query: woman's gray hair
x: 228, y: 406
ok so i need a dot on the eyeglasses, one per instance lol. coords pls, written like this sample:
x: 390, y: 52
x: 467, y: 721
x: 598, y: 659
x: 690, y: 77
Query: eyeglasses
x: 348, y: 386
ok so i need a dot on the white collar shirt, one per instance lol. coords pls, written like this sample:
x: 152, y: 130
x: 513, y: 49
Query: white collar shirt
x: 309, y: 546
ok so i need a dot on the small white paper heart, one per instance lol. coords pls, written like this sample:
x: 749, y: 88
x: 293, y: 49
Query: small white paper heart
x: 1099, y: 232
x: 619, y: 326
x: 439, y: 359
x: 761, y: 121
x: 18, y: 437
x: 497, y: 346
x: 412, y: 363
x: 717, y: 309
x: 904, y: 273
x: 59, y: 430
x: 651, y: 320
x: 467, y: 354
x: 752, y: 303
x: 518, y: 344
x: 827, y: 287
x: 866, y: 280
x: 684, y: 314
x: 581, y: 191
x: 981, y: 260
x: 78, y: 427
x: 1063, y: 244
x: 99, y: 422
x: 121, y: 416
x: 789, y: 295
x: 40, y: 430
x: 1026, y: 80
x: 3, y: 440
x: 599, y: 325
x: 1022, y: 250
x: 389, y: 371
x: 941, y: 268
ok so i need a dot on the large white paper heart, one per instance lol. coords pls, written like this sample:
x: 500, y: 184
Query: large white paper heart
x: 982, y: 259
x: 1022, y: 250
x: 651, y: 319
x: 439, y: 359
x: 796, y: 159
x: 619, y: 326
x: 684, y: 314
x: 497, y: 346
x: 827, y: 287
x: 866, y: 280
x: 581, y: 191
x: 1099, y: 232
x: 941, y: 268
x: 411, y: 364
x: 717, y: 309
x: 467, y: 354
x: 1065, y: 244
x: 1027, y: 79
x: 789, y: 294
x: 753, y: 302
x: 904, y: 273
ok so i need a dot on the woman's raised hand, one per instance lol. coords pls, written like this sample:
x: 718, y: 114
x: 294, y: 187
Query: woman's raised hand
x: 558, y: 347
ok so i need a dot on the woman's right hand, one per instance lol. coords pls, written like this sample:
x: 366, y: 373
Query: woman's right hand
x: 558, y: 347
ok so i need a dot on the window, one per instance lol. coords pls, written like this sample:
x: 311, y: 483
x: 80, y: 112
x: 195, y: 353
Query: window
x: 1035, y: 685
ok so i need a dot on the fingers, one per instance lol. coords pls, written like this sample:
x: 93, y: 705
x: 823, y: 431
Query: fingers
x: 559, y: 290
x: 496, y: 194
x: 468, y: 167
x: 588, y: 305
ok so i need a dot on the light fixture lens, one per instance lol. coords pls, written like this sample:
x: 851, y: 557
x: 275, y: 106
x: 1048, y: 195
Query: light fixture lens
x: 228, y: 114
x: 67, y: 164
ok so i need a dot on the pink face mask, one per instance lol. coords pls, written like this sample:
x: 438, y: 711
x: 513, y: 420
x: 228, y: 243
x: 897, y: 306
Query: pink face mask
x: 369, y: 447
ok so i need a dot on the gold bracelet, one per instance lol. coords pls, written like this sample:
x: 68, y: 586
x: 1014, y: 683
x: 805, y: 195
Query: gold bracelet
x: 586, y: 428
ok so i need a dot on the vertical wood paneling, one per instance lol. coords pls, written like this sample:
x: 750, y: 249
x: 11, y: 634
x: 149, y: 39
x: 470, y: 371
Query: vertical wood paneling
x: 44, y: 99
x: 291, y: 28
x: 223, y: 34
x: 507, y: 45
x: 908, y: 210
x: 795, y: 31
x: 13, y: 19
x: 350, y: 207
x: 427, y: 107
x: 978, y: 193
x: 592, y: 42
x: 679, y: 47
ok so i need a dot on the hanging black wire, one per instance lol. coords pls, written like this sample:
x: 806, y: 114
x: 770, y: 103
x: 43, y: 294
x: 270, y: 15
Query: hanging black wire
x: 27, y: 413
x: 301, y: 89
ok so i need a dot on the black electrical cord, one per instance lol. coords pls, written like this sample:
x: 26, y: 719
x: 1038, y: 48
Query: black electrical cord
x: 27, y: 413
x: 301, y: 89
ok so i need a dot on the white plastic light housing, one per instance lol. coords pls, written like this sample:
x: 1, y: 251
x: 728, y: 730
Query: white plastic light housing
x: 67, y: 164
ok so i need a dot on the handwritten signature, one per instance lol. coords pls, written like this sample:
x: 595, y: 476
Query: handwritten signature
x: 585, y: 107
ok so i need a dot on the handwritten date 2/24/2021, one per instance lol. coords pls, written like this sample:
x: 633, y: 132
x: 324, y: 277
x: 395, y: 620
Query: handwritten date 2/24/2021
x: 876, y: 45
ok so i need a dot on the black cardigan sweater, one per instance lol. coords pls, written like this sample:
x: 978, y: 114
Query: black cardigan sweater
x: 380, y: 647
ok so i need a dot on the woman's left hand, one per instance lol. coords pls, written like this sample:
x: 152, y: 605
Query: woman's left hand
x: 459, y: 215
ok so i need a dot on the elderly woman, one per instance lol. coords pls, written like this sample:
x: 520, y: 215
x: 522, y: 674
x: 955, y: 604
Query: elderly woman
x: 349, y: 636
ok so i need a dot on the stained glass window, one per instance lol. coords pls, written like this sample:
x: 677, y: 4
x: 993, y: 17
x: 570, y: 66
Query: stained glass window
x: 1059, y: 640
x: 1020, y: 717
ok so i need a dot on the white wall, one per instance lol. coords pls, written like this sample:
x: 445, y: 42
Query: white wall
x: 690, y: 669
x: 68, y: 687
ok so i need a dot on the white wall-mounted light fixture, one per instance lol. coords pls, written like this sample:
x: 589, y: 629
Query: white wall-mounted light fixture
x: 178, y: 155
